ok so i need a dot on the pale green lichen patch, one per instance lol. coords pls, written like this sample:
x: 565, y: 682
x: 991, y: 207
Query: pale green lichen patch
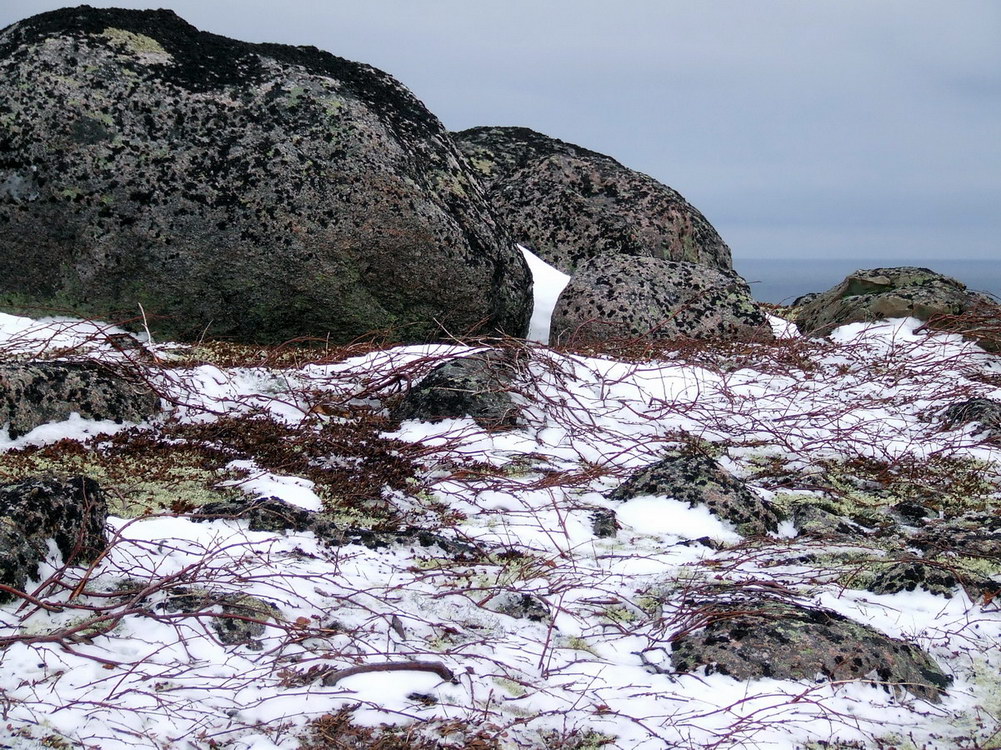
x: 577, y: 739
x: 483, y: 166
x: 154, y: 479
x: 145, y: 48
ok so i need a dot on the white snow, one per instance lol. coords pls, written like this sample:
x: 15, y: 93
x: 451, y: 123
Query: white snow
x: 547, y: 283
x: 155, y: 678
x: 260, y: 483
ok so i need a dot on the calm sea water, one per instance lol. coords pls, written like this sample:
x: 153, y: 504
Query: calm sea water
x: 774, y: 280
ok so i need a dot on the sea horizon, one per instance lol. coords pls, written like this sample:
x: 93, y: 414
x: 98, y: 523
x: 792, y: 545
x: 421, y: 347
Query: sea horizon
x: 782, y: 280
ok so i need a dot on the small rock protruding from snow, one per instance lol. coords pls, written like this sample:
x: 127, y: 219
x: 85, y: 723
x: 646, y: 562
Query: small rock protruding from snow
x: 749, y: 638
x: 699, y: 480
x: 477, y: 386
x: 36, y: 393
x: 985, y: 412
x: 72, y: 512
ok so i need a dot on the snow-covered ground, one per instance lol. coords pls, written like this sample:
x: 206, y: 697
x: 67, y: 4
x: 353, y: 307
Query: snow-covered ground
x: 76, y: 666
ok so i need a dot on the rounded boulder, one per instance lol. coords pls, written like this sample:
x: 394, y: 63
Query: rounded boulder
x: 256, y: 192
x: 569, y: 204
x: 880, y: 293
x: 621, y: 297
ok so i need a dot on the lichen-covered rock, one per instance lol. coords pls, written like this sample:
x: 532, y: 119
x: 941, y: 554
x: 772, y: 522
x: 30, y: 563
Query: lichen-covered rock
x: 521, y: 606
x: 941, y: 580
x: 72, y: 512
x: 257, y: 192
x: 755, y: 638
x: 879, y: 293
x: 570, y: 204
x: 970, y: 535
x: 812, y: 520
x: 624, y: 297
x: 699, y: 480
x: 241, y: 620
x: 261, y: 514
x: 36, y: 393
x: 477, y: 386
x: 272, y: 514
x: 985, y: 412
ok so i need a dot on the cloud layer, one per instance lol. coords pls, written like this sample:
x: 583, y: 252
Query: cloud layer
x: 845, y: 127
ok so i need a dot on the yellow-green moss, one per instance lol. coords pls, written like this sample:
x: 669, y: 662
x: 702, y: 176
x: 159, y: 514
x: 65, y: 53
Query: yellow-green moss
x: 167, y: 480
x: 136, y: 44
x: 483, y: 166
x: 510, y: 686
x: 576, y: 643
x: 619, y: 614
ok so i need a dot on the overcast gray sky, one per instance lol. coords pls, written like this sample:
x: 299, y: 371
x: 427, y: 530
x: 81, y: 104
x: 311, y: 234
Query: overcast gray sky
x: 801, y: 128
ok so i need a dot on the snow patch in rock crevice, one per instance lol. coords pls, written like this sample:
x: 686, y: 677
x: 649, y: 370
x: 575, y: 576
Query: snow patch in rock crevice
x: 547, y: 283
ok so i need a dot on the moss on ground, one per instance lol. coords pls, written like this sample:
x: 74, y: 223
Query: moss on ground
x: 140, y: 473
x: 178, y: 467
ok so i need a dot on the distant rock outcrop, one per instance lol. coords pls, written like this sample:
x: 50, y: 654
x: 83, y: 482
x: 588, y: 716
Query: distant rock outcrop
x: 256, y: 192
x: 880, y: 293
x: 624, y: 297
x: 569, y: 204
x: 36, y: 393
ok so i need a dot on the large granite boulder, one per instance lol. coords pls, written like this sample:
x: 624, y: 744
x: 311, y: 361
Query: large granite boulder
x: 879, y: 293
x: 569, y: 204
x: 72, y: 512
x: 767, y: 637
x: 36, y: 393
x: 624, y: 297
x: 258, y: 192
x: 699, y: 480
